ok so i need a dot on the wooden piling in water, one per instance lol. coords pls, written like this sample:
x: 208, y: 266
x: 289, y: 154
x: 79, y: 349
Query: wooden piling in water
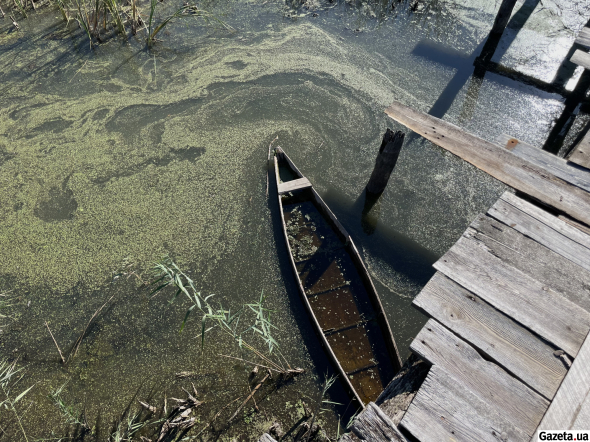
x: 388, y: 154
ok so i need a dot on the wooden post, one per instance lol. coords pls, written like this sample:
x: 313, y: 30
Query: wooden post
x: 388, y: 154
x: 503, y: 16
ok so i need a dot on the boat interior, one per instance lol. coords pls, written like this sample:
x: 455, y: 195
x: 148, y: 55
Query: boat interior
x: 335, y: 290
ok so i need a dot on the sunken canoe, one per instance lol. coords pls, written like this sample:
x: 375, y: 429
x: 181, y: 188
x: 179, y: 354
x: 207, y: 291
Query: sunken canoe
x: 337, y: 291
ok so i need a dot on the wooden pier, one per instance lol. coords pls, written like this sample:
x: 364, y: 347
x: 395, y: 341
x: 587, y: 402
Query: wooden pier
x: 509, y: 306
x: 507, y: 341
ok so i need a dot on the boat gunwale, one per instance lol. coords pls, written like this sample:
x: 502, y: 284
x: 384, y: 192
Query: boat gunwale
x: 359, y: 265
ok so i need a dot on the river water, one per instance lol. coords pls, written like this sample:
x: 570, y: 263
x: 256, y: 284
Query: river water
x: 113, y: 157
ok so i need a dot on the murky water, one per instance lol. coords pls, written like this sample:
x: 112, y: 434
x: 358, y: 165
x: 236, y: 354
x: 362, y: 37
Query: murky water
x: 112, y: 158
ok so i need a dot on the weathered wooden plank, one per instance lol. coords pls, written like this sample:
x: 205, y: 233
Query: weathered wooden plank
x: 444, y: 410
x: 532, y: 258
x: 544, y: 228
x: 348, y: 437
x: 509, y: 397
x: 583, y: 418
x: 557, y: 166
x: 576, y: 224
x: 290, y: 186
x: 395, y: 399
x: 521, y: 297
x: 498, y: 162
x: 581, y: 58
x: 564, y: 413
x: 504, y: 341
x: 266, y: 438
x: 581, y: 153
x: 583, y: 38
x: 374, y: 425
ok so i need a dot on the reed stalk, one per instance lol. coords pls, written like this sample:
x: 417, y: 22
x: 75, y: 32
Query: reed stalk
x: 116, y: 14
x: 71, y: 414
x: 8, y: 375
x: 83, y: 19
x: 20, y: 7
x: 167, y: 274
x: 63, y: 10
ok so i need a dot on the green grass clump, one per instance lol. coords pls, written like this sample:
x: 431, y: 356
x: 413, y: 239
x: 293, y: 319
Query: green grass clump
x: 122, y: 16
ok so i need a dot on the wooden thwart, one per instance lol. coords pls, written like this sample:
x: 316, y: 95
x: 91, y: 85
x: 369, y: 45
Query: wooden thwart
x: 570, y: 410
x: 557, y: 166
x: 290, y: 186
x: 529, y: 302
x: 503, y: 340
x: 504, y: 394
x: 374, y: 425
x: 444, y: 410
x: 497, y: 161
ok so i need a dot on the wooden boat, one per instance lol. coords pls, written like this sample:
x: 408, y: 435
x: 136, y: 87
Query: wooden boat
x: 335, y: 286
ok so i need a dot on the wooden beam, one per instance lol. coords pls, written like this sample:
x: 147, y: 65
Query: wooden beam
x: 543, y: 227
x: 375, y: 426
x: 569, y: 410
x: 519, y: 296
x: 552, y: 163
x: 444, y: 410
x: 581, y: 58
x: 532, y: 258
x: 498, y: 162
x: 581, y: 153
x: 583, y: 38
x: 503, y: 393
x: 504, y: 341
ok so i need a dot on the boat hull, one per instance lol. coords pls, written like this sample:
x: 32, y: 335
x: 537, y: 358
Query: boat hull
x: 335, y: 287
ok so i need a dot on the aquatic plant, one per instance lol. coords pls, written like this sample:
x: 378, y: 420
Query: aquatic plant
x: 8, y: 381
x: 310, y: 430
x: 70, y: 413
x: 121, y: 14
x: 184, y: 11
x: 166, y: 273
x: 128, y: 426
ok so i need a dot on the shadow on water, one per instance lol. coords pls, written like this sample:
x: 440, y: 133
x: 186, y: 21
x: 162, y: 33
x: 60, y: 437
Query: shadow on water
x: 464, y: 63
x: 471, y: 69
x: 361, y: 219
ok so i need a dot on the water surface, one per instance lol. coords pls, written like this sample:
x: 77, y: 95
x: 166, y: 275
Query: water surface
x: 113, y: 157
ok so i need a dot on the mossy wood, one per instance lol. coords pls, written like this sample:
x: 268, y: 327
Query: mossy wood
x: 337, y: 291
x: 389, y: 151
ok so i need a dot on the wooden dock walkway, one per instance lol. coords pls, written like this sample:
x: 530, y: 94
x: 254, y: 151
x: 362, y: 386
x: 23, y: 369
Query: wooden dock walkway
x: 509, y: 305
x: 510, y: 310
